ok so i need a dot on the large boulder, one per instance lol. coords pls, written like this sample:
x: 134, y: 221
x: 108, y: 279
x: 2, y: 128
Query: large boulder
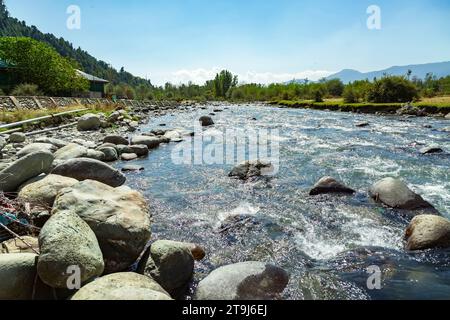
x: 89, y: 122
x: 24, y: 169
x: 36, y: 147
x: 330, y: 185
x: 66, y: 241
x: 90, y: 169
x: 428, y: 232
x: 115, y: 139
x: 17, y: 276
x: 150, y: 142
x: 395, y: 193
x: 122, y: 286
x: 119, y: 218
x: 243, y: 281
x: 251, y: 169
x: 206, y: 121
x: 71, y: 151
x: 44, y: 191
x: 171, y: 264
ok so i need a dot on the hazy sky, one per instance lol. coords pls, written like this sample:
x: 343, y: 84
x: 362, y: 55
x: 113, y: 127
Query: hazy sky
x: 261, y: 40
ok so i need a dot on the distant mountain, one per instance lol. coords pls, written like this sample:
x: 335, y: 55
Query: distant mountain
x: 440, y: 69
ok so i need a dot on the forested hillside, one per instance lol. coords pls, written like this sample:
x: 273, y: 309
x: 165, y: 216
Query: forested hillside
x: 12, y: 27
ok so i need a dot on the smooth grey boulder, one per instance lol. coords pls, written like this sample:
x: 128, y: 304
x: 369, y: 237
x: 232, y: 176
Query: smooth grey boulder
x: 122, y: 286
x: 121, y: 148
x: 110, y: 153
x: 150, y: 142
x: 330, y: 185
x: 128, y: 156
x: 90, y: 169
x: 428, y: 232
x: 45, y: 190
x: 251, y: 169
x: 171, y: 264
x: 115, y: 139
x: 36, y: 147
x: 66, y: 241
x: 17, y: 274
x: 71, y: 151
x: 119, y: 217
x: 89, y: 122
x: 95, y: 154
x: 139, y: 149
x: 24, y: 169
x: 17, y: 137
x: 395, y: 193
x: 206, y: 121
x: 243, y: 281
x: 58, y: 143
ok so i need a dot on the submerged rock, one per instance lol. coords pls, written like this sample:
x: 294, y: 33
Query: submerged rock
x: 90, y: 169
x: 362, y: 124
x: 250, y: 169
x: 122, y: 286
x: 44, y: 190
x: 66, y: 241
x: 395, y: 194
x: 119, y: 218
x: 24, y: 169
x: 206, y: 121
x: 430, y: 150
x: 428, y: 232
x: 243, y: 281
x: 330, y: 185
x: 171, y: 264
x: 131, y: 167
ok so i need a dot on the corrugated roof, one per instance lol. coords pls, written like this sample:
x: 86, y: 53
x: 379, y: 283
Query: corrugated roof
x: 91, y: 77
x: 4, y: 65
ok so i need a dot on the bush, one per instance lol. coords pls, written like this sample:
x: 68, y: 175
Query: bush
x: 335, y: 87
x: 2, y: 93
x: 392, y: 90
x: 318, y: 96
x: 349, y: 95
x: 26, y: 89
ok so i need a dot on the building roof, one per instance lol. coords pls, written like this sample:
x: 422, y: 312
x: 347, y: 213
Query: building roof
x: 4, y: 65
x: 91, y: 77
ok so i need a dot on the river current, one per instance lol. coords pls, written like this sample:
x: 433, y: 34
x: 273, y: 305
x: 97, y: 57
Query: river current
x: 326, y: 243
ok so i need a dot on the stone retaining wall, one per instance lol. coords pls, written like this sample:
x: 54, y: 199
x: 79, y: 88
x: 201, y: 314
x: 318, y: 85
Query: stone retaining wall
x: 34, y: 103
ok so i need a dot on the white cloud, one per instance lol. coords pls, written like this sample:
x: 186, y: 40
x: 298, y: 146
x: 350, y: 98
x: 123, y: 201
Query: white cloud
x: 200, y: 76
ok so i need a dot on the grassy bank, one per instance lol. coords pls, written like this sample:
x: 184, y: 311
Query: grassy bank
x: 438, y: 105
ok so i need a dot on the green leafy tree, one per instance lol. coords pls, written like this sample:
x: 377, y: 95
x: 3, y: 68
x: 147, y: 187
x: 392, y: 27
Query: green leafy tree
x: 40, y: 64
x: 223, y: 82
x: 334, y: 87
x: 392, y: 89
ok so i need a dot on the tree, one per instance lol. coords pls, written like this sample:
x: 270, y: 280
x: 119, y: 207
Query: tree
x: 392, y: 89
x: 223, y: 82
x: 335, y: 87
x: 40, y: 64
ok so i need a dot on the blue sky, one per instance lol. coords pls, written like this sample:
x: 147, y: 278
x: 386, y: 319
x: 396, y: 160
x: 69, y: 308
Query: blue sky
x: 261, y: 40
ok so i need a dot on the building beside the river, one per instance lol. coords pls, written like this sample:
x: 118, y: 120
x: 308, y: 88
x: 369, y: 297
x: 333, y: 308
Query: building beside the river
x: 8, y: 76
x: 96, y: 85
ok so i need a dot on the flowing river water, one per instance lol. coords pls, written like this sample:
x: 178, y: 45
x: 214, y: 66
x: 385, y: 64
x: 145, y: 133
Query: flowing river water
x: 326, y: 243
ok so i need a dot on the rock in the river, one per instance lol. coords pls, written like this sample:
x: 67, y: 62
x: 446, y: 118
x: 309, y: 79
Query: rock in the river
x: 128, y: 156
x: 330, y: 185
x: 395, y: 194
x: 90, y: 169
x: 428, y: 232
x: 35, y: 147
x: 447, y: 116
x: 44, y: 190
x: 121, y: 148
x: 140, y: 149
x: 243, y: 281
x: 115, y: 139
x: 95, y: 154
x: 56, y: 142
x: 71, y: 151
x: 131, y: 167
x: 17, y: 276
x: 110, y: 153
x: 250, y: 169
x: 206, y: 121
x: 430, y: 150
x: 17, y: 137
x: 362, y: 124
x: 150, y: 142
x: 119, y: 218
x: 24, y: 169
x: 89, y: 122
x: 66, y: 241
x: 171, y: 264
x: 18, y: 245
x: 122, y: 286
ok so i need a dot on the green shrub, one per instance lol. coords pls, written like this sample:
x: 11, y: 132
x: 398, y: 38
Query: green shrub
x: 392, y: 89
x: 349, y: 95
x: 26, y: 89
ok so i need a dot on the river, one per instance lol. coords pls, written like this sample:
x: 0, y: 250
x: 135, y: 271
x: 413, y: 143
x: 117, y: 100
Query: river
x: 326, y: 243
